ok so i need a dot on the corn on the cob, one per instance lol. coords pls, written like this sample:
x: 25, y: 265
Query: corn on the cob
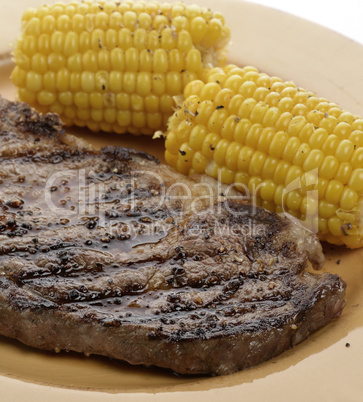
x: 114, y: 66
x: 294, y: 151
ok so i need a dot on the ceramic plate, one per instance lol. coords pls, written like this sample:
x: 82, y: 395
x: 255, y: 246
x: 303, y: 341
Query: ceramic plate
x: 328, y: 365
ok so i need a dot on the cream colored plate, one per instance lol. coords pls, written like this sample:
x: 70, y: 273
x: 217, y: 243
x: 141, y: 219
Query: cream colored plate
x: 321, y: 368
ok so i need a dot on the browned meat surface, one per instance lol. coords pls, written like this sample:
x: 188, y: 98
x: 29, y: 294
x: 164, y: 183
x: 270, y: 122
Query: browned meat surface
x: 104, y: 252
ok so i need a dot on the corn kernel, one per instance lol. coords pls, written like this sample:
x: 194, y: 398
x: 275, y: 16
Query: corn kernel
x: 269, y: 167
x: 313, y: 160
x: 265, y: 139
x: 290, y: 149
x: 342, y: 130
x: 356, y: 137
x: 199, y: 163
x: 81, y: 99
x: 326, y: 209
x: 231, y: 155
x: 244, y: 158
x: 258, y: 112
x: 349, y: 199
x: 217, y: 120
x: 283, y: 121
x: 209, y: 91
x: 356, y: 180
x: 344, y: 172
x: 229, y: 127
x: 318, y: 138
x: 268, y: 190
x: 271, y: 117
x: 197, y: 137
x: 334, y: 191
x: 344, y: 151
x: 46, y: 98
x: 96, y: 100
x: 278, y: 144
x: 281, y: 172
x: 329, y: 167
x: 220, y: 151
x: 33, y: 82
x: 257, y: 162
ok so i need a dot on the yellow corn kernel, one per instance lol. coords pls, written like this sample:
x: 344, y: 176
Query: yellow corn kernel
x: 241, y: 130
x: 318, y: 138
x: 241, y: 181
x: 271, y: 117
x: 273, y: 99
x: 326, y: 209
x: 343, y: 129
x: 329, y: 123
x: 199, y: 163
x: 268, y: 190
x: 209, y: 91
x: 247, y: 89
x: 278, y: 144
x: 220, y: 151
x: 217, y: 120
x: 294, y: 172
x: 46, y: 98
x: 253, y: 135
x: 357, y: 159
x: 344, y: 151
x: 344, y: 172
x: 269, y: 167
x: 44, y: 44
x: 226, y: 175
x: 56, y: 61
x: 334, y: 191
x: 329, y: 167
x: 33, y: 82
x: 258, y: 112
x: 198, y: 29
x: 231, y: 155
x: 229, y: 127
x: 335, y: 226
x: 197, y: 137
x: 306, y: 132
x: 313, y: 160
x: 348, y: 199
x: 356, y: 180
x: 290, y: 149
x: 246, y: 109
x: 356, y: 137
x: 223, y: 98
x: 257, y: 162
x: 265, y: 139
x: 18, y: 76
x: 244, y: 159
x: 144, y: 84
x: 281, y: 171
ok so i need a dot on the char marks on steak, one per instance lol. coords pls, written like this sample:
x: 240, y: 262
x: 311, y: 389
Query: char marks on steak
x: 102, y: 253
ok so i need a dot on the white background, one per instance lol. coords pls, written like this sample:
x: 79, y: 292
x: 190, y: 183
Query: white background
x: 343, y: 16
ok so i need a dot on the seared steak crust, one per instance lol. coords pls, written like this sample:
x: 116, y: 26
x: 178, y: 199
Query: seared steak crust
x: 102, y: 253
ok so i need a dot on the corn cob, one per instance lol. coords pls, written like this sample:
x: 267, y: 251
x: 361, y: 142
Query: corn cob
x: 114, y: 66
x: 293, y: 151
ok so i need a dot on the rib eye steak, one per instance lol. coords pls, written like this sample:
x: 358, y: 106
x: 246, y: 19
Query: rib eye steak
x: 112, y: 253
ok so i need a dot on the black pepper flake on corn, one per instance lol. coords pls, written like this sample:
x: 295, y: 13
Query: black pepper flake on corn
x: 261, y: 134
x: 115, y: 66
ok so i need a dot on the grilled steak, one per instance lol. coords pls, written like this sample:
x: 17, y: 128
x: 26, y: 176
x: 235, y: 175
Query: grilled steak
x: 110, y: 252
